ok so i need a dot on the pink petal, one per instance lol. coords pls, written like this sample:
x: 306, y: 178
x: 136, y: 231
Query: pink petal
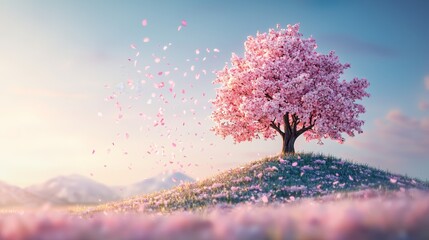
x: 184, y: 23
x: 144, y: 22
x: 146, y: 39
x: 264, y: 199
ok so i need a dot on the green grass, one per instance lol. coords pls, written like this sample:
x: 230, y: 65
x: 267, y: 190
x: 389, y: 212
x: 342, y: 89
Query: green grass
x: 269, y: 180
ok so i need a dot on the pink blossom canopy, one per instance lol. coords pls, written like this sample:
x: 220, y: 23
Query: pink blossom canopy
x: 283, y: 82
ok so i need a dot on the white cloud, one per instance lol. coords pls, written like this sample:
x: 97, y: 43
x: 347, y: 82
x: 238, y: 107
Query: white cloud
x: 427, y: 82
x: 399, y: 134
x: 399, y: 142
x: 423, y: 105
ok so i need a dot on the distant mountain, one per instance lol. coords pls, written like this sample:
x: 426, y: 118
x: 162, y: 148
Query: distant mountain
x: 154, y: 184
x: 74, y: 189
x: 77, y: 189
x: 15, y: 196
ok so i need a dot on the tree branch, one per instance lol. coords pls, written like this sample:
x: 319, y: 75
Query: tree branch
x: 268, y: 96
x: 277, y: 128
x: 310, y: 126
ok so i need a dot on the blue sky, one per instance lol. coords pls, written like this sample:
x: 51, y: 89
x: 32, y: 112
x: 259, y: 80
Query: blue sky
x: 57, y: 57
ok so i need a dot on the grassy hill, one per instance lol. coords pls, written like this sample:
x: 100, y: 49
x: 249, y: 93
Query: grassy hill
x: 269, y: 180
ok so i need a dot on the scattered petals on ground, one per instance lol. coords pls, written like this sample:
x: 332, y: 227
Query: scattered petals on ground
x: 368, y: 214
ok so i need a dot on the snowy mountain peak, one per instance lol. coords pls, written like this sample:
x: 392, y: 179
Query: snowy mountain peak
x: 78, y: 189
x: 160, y: 182
x: 74, y: 189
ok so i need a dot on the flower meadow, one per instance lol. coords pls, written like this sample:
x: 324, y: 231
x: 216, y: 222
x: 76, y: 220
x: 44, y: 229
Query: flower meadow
x: 305, y: 196
x: 366, y: 214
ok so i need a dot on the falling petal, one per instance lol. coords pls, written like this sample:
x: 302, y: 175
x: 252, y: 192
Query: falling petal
x: 184, y: 23
x: 144, y: 22
x: 264, y: 199
x: 146, y: 39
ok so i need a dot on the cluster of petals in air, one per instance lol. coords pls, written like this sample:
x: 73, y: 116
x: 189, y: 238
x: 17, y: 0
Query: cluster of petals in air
x: 280, y: 73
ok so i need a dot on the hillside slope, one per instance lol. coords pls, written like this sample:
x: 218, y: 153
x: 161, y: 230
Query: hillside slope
x: 269, y: 180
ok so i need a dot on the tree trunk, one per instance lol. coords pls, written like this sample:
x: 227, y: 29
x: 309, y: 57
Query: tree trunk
x: 288, y: 146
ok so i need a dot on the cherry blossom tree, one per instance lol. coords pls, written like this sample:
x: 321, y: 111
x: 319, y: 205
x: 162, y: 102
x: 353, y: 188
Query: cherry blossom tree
x: 283, y: 86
